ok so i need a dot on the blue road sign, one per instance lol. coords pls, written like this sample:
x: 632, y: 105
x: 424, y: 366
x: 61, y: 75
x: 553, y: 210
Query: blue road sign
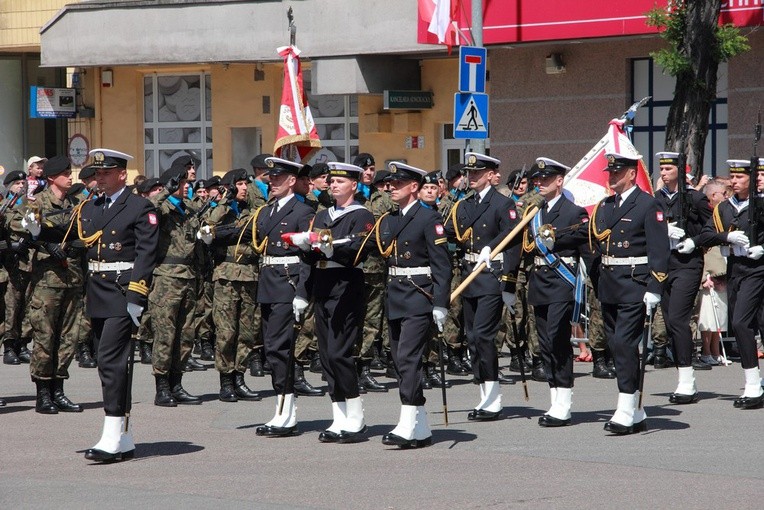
x: 472, y: 65
x: 470, y: 115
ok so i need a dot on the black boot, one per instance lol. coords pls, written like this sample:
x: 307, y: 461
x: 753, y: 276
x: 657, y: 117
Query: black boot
x: 600, y: 369
x: 194, y: 366
x: 44, y: 404
x: 466, y: 361
x: 9, y: 353
x: 180, y: 395
x: 301, y: 386
x: 60, y: 400
x: 86, y: 359
x: 164, y: 396
x: 227, y: 393
x: 514, y: 363
x: 256, y: 364
x: 241, y: 389
x: 455, y: 366
x: 315, y: 364
x: 390, y: 370
x: 197, y: 347
x: 433, y: 376
x: 23, y: 352
x: 377, y: 363
x: 267, y: 365
x: 537, y: 371
x: 367, y: 380
x: 145, y: 350
x: 426, y: 384
x: 660, y: 358
x: 503, y: 379
x: 208, y: 352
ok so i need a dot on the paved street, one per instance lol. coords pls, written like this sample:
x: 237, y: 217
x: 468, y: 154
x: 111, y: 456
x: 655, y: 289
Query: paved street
x: 707, y: 455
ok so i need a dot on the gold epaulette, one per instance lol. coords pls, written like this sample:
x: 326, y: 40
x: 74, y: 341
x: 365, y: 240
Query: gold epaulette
x: 139, y: 287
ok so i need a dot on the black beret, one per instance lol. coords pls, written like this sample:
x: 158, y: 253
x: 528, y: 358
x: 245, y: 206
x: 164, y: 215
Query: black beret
x: 233, y: 176
x: 319, y: 169
x: 259, y: 161
x: 213, y: 181
x: 75, y: 189
x: 305, y: 171
x: 175, y: 172
x: 186, y: 160
x: 380, y: 176
x: 363, y: 160
x: 16, y: 175
x: 201, y: 184
x: 148, y: 185
x: 87, y: 172
x: 431, y: 178
x: 55, y: 166
x: 454, y: 171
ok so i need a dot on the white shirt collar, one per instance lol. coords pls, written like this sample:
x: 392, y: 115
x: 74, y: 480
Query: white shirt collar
x: 626, y: 194
x: 283, y: 201
x: 407, y: 208
x: 551, y: 203
x: 116, y: 195
x: 483, y: 193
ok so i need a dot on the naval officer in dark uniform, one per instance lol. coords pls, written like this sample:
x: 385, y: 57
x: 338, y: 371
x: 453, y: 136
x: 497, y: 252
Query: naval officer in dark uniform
x: 729, y: 227
x: 473, y: 223
x: 282, y: 289
x: 631, y: 237
x: 413, y: 243
x: 557, y: 237
x: 120, y: 231
x: 338, y: 284
x: 685, y: 269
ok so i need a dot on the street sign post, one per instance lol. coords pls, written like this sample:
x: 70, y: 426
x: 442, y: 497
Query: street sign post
x: 472, y: 66
x: 470, y: 115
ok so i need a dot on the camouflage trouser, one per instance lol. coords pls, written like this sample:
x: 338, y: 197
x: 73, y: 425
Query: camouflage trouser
x: 453, y: 330
x: 53, y: 317
x: 306, y: 340
x: 83, y: 324
x: 374, y: 321
x: 596, y: 333
x: 172, y: 302
x: 203, y: 313
x: 145, y: 331
x: 524, y: 320
x: 233, y: 310
x: 15, y: 305
x: 660, y: 334
x: 3, y: 288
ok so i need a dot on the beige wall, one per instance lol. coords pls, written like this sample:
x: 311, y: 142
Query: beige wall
x: 746, y: 97
x: 21, y: 20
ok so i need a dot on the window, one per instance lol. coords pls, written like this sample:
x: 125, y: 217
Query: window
x: 650, y: 122
x: 177, y: 121
x: 453, y: 149
x: 336, y: 119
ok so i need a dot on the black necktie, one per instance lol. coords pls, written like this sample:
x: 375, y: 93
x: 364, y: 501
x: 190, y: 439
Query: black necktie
x: 106, y: 203
x: 618, y: 199
x: 275, y: 208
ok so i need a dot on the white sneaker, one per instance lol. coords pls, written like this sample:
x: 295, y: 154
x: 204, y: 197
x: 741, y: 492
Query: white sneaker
x: 709, y: 360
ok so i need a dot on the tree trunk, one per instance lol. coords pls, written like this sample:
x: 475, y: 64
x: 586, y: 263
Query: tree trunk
x: 695, y: 87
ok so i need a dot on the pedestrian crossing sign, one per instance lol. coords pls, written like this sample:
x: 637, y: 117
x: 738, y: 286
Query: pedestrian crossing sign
x: 470, y: 115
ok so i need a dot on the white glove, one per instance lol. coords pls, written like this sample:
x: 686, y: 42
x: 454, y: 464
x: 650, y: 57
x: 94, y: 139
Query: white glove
x: 135, y: 312
x: 651, y: 300
x: 484, y: 256
x: 675, y: 232
x: 439, y: 316
x: 301, y: 240
x: 738, y: 238
x: 326, y: 248
x: 686, y: 246
x: 509, y: 298
x: 299, y: 305
x: 205, y: 234
x: 30, y: 223
x: 755, y: 252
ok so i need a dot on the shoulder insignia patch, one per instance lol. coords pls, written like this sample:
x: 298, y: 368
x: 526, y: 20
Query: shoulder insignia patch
x: 439, y: 229
x: 512, y: 214
x: 659, y: 215
x: 153, y: 218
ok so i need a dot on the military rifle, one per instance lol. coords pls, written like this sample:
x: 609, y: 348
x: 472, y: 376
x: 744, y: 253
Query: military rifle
x: 754, y: 205
x: 681, y: 185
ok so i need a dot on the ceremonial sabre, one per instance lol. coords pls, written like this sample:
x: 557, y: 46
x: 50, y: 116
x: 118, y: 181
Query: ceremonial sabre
x: 647, y: 334
x: 519, y: 352
x: 290, y: 363
x: 441, y: 341
x: 715, y: 304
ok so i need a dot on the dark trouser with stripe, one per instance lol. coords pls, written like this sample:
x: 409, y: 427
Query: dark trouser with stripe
x: 481, y: 323
x: 553, y: 327
x: 624, y: 325
x: 408, y: 339
x: 338, y: 321
x: 278, y: 334
x: 112, y: 344
x: 677, y: 303
x: 745, y: 295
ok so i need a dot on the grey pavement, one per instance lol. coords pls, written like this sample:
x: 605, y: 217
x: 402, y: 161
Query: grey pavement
x: 705, y: 455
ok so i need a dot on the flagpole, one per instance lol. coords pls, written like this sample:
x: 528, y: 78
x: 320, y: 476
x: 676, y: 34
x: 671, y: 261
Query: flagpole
x: 477, y: 145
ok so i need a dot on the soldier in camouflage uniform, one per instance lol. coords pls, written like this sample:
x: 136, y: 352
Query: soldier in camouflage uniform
x: 203, y: 324
x: 235, y: 279
x: 172, y: 298
x: 14, y: 258
x: 56, y: 291
x: 374, y: 321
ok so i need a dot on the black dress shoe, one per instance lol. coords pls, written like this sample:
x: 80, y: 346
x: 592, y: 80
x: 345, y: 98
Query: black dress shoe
x: 749, y: 402
x: 194, y: 366
x: 503, y: 379
x: 698, y: 364
x: 106, y: 457
x: 327, y: 436
x: 678, y: 398
x: 270, y: 431
x: 301, y: 385
x: 550, y: 421
x: 391, y: 439
x: 483, y: 415
x: 346, y: 437
x: 622, y: 430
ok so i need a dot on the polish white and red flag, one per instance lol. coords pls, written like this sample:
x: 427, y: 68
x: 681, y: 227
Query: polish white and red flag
x: 588, y: 182
x: 297, y: 137
x: 441, y: 19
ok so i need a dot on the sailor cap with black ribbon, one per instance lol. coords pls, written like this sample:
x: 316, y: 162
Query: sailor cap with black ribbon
x: 403, y: 172
x: 546, y: 167
x: 278, y: 166
x: 338, y: 169
x: 107, y: 159
x: 739, y: 166
x: 475, y: 161
x: 667, y: 158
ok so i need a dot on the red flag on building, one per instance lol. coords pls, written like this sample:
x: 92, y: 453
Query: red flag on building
x: 297, y: 138
x: 588, y: 182
x: 441, y: 18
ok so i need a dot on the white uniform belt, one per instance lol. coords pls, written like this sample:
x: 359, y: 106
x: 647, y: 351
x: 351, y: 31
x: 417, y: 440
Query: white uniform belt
x: 472, y: 257
x: 330, y: 264
x: 409, y: 271
x: 571, y: 261
x: 607, y: 260
x: 280, y: 261
x: 96, y: 266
